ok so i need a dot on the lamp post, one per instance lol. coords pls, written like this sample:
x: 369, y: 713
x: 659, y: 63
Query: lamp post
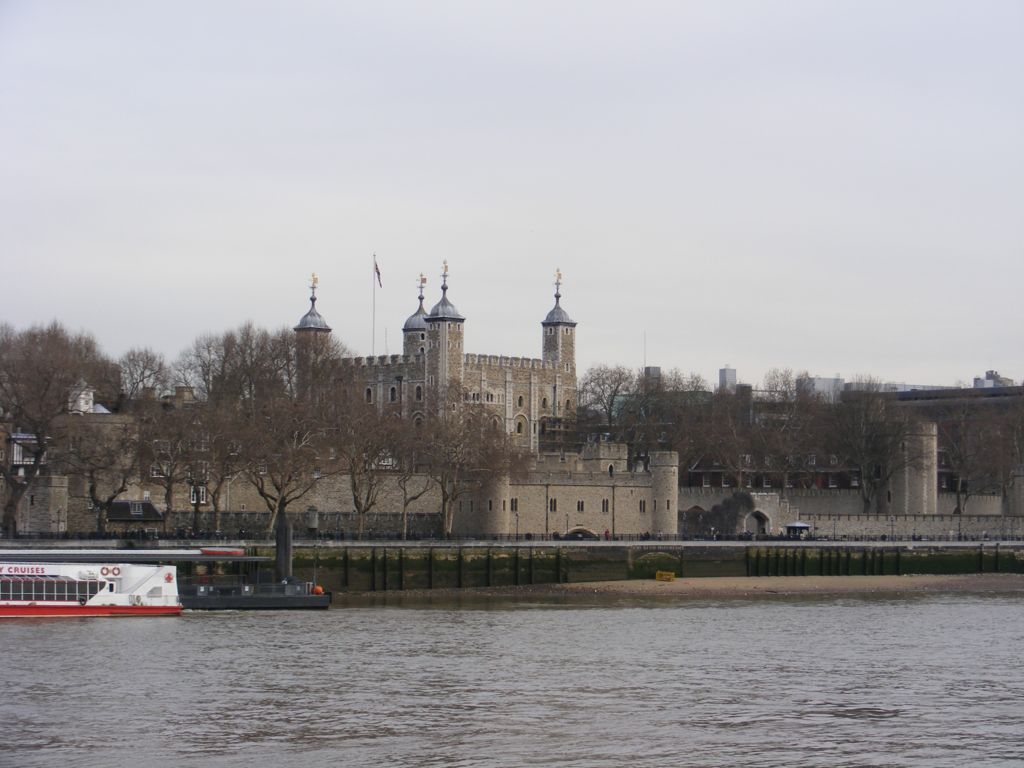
x: 516, y: 513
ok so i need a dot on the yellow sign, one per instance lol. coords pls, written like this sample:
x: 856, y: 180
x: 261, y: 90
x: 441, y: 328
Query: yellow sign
x: 665, y: 576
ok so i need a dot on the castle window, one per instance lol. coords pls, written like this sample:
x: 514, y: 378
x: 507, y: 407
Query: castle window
x: 568, y: 404
x: 490, y: 505
x: 544, y: 403
x: 417, y: 422
x: 552, y: 505
x: 421, y: 350
x: 393, y: 394
x: 579, y: 505
x: 423, y: 336
x: 419, y: 392
x: 519, y: 427
x: 551, y: 331
x: 369, y: 395
x: 513, y: 504
x: 604, y: 505
x: 611, y: 470
x: 643, y: 506
x: 519, y: 402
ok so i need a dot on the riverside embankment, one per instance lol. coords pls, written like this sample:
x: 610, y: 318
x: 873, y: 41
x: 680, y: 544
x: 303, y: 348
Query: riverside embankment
x: 374, y: 567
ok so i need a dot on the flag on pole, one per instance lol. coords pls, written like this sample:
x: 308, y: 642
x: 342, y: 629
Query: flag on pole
x: 376, y: 271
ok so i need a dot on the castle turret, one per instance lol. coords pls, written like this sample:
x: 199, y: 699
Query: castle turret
x: 490, y: 514
x: 312, y: 323
x: 664, y: 466
x: 312, y: 336
x: 559, y: 337
x: 415, y: 329
x: 444, y: 349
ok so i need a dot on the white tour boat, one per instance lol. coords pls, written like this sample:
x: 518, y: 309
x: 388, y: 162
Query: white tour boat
x: 87, y: 589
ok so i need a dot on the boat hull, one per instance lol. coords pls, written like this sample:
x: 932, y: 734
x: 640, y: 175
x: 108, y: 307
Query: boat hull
x: 257, y: 602
x: 36, y: 611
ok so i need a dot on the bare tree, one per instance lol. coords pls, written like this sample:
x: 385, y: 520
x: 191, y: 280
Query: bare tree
x: 167, y: 448
x: 40, y: 370
x: 412, y: 483
x: 787, y: 426
x: 142, y: 369
x: 872, y: 435
x: 602, y: 390
x: 103, y: 452
x: 283, y: 446
x: 730, y: 430
x: 364, y: 441
x: 462, y: 450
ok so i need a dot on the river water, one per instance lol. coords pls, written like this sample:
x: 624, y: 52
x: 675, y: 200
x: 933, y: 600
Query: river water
x: 907, y: 681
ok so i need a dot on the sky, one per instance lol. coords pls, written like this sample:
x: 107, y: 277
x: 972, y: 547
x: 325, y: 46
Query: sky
x: 836, y: 187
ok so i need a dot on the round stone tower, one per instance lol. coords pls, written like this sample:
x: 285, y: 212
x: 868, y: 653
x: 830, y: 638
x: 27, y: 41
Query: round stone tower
x: 664, y: 467
x: 492, y: 516
x: 414, y: 332
x: 312, y: 337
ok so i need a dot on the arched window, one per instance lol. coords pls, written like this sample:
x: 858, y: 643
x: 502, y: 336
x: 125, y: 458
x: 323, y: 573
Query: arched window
x: 519, y: 427
x: 519, y: 402
x: 369, y: 395
x: 611, y: 470
x: 568, y: 405
x: 544, y: 403
x: 417, y: 422
x: 419, y: 392
x: 393, y: 395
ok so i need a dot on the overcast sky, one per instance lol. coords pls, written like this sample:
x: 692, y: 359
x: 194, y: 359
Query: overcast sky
x: 829, y: 186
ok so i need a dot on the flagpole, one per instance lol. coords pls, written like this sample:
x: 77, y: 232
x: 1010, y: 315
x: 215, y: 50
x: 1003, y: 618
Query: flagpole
x: 373, y: 322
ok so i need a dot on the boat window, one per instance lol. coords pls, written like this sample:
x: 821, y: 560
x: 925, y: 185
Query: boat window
x: 110, y: 587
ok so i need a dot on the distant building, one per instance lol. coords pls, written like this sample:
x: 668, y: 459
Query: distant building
x: 829, y: 388
x: 727, y: 379
x: 992, y: 380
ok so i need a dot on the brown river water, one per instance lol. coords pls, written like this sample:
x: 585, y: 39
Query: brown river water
x: 920, y: 680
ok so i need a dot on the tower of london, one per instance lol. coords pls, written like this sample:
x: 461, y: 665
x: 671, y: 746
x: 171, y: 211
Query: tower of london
x: 522, y: 394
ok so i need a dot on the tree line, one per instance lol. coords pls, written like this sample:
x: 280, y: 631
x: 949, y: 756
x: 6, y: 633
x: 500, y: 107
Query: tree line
x: 274, y: 409
x: 794, y: 436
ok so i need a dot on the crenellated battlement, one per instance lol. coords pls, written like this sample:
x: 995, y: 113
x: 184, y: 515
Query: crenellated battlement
x: 380, y: 361
x: 505, y: 362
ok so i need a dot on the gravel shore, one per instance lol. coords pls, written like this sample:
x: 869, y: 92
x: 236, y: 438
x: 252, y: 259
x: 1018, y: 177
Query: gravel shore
x: 718, y: 588
x: 1003, y: 583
